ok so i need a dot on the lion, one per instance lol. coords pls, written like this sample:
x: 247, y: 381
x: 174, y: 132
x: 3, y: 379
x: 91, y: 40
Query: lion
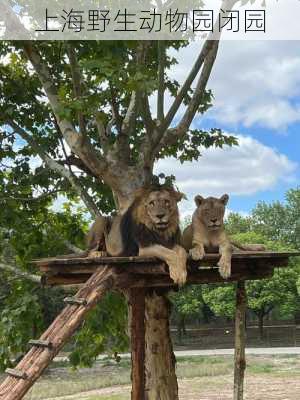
x: 149, y: 227
x: 206, y: 233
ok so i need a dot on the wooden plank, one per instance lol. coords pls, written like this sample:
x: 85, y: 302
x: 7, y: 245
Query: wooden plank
x: 210, y: 275
x: 136, y: 259
x: 16, y: 373
x: 41, y: 343
x: 75, y: 301
x: 240, y: 341
x: 137, y: 303
x: 62, y: 328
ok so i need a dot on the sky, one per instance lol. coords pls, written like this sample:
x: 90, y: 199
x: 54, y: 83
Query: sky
x: 256, y: 87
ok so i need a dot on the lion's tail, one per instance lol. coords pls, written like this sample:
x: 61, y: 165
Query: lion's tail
x: 249, y: 247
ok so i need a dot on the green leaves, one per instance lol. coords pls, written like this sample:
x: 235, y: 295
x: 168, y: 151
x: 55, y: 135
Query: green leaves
x: 103, y: 330
x: 189, y: 147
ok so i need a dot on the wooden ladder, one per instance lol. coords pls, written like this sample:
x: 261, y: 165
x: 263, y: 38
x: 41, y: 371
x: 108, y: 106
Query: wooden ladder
x: 42, y: 352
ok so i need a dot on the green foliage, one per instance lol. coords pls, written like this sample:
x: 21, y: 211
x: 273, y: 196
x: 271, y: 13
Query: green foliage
x: 220, y: 299
x: 103, y: 330
x: 187, y: 301
x: 276, y: 226
x: 20, y: 320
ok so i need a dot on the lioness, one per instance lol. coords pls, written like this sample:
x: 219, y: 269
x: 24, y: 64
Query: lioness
x: 149, y: 227
x: 207, y: 234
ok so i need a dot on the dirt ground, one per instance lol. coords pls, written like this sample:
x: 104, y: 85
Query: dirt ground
x: 256, y: 388
x: 200, y: 378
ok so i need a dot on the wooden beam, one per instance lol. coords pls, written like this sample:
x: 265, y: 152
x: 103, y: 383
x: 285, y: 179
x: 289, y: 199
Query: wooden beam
x: 127, y: 280
x: 240, y: 341
x: 62, y: 328
x: 137, y: 304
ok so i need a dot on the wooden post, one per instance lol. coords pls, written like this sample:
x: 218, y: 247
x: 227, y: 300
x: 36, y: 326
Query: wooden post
x: 240, y: 341
x: 137, y: 302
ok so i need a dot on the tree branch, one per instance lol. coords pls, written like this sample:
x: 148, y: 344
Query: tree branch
x: 16, y: 271
x: 78, y: 142
x: 77, y: 83
x: 116, y: 118
x: 57, y: 167
x: 29, y: 199
x: 161, y: 80
x: 130, y: 116
x: 186, y: 86
x: 205, y: 63
x: 195, y: 102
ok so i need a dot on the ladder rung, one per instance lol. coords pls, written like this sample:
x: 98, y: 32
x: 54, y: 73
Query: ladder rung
x: 16, y: 373
x: 74, y: 300
x: 41, y: 343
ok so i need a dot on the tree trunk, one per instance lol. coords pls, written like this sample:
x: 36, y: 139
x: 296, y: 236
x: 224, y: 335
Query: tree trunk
x: 160, y: 377
x: 181, y: 328
x: 161, y: 381
x: 261, y: 325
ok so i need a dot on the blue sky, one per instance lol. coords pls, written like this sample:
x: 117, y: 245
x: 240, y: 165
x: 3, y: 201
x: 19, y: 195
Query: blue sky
x: 256, y: 86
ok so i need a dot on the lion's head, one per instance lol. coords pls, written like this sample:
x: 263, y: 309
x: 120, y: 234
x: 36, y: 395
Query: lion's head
x: 211, y: 211
x: 156, y: 208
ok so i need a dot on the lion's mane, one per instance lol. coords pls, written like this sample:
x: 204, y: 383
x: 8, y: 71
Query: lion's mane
x: 137, y: 229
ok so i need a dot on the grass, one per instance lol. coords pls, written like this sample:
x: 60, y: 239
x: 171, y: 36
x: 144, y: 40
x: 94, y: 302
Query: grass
x: 113, y: 397
x: 60, y: 381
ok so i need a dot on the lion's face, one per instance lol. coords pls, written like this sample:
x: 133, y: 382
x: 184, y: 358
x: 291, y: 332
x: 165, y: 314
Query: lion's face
x: 158, y: 210
x: 211, y: 211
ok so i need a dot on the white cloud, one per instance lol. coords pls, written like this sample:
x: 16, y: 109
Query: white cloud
x: 246, y: 169
x: 254, y: 82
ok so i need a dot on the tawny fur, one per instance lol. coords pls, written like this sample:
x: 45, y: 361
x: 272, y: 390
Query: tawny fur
x: 149, y: 227
x: 206, y: 233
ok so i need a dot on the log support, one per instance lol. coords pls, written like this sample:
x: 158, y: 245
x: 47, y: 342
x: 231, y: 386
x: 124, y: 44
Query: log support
x: 160, y: 375
x: 240, y: 341
x: 137, y: 327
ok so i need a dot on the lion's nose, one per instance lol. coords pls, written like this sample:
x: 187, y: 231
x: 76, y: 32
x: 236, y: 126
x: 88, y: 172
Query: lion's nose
x: 160, y: 215
x: 214, y: 220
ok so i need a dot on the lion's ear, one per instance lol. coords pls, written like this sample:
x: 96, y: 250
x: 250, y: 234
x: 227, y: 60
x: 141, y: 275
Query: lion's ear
x: 198, y: 200
x: 179, y: 196
x: 224, y: 199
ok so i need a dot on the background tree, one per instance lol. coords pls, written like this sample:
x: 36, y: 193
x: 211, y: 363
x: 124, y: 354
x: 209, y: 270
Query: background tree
x: 81, y: 112
x: 187, y: 302
x: 274, y: 225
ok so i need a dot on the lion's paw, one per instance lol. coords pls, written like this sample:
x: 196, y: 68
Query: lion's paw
x: 197, y: 253
x: 94, y: 254
x: 224, y: 268
x: 177, y: 268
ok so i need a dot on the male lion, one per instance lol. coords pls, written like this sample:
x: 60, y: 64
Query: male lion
x: 207, y: 233
x: 149, y: 227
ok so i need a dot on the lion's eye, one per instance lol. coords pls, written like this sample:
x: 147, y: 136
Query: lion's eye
x: 152, y: 203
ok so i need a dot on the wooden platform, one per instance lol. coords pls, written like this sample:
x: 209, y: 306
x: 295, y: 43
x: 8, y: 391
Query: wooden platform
x: 151, y: 272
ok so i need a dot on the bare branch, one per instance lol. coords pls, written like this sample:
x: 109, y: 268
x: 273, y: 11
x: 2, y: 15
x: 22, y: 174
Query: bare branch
x: 77, y: 83
x: 29, y: 199
x: 186, y: 86
x: 200, y: 88
x: 16, y: 271
x: 161, y: 81
x: 146, y: 115
x: 209, y: 48
x: 130, y: 116
x: 116, y: 117
x: 173, y: 134
x: 57, y: 167
x: 78, y: 142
